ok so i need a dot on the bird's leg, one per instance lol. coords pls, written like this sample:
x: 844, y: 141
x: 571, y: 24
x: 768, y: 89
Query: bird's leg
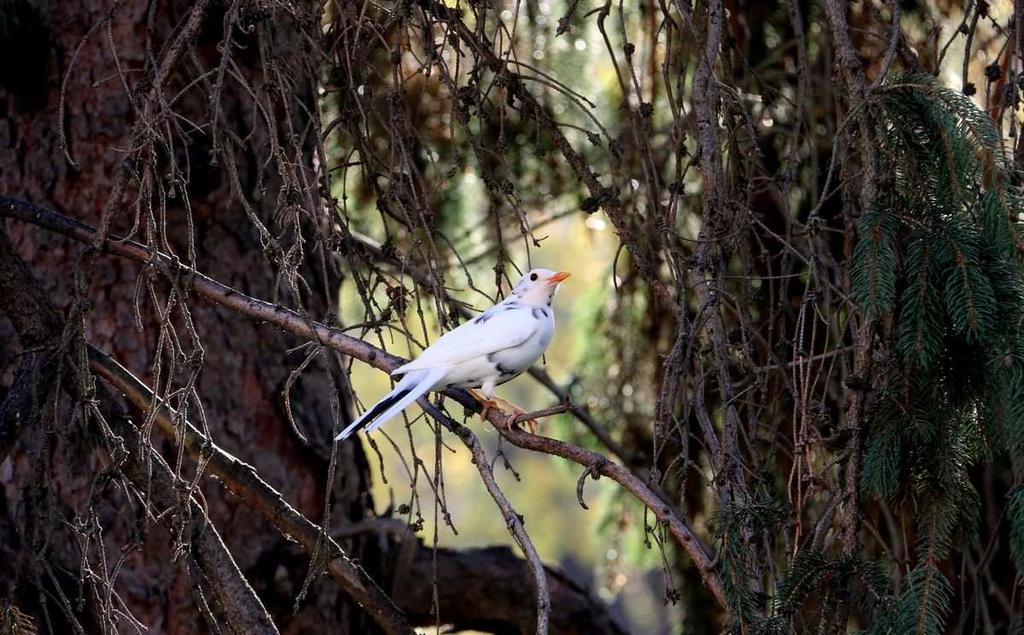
x: 517, y: 412
x: 531, y: 424
x: 486, y: 404
x: 497, y: 403
x: 487, y: 388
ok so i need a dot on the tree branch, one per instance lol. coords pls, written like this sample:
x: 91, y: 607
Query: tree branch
x: 856, y: 93
x: 152, y: 476
x: 513, y: 520
x: 242, y: 480
x: 705, y: 103
x: 482, y: 589
x: 458, y: 572
x: 291, y: 321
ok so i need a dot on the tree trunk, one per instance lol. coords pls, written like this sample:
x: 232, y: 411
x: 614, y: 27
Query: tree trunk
x: 246, y: 365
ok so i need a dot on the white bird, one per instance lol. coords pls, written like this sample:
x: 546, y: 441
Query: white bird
x: 491, y: 349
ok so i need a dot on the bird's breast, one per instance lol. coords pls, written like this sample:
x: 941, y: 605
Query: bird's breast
x: 513, y: 361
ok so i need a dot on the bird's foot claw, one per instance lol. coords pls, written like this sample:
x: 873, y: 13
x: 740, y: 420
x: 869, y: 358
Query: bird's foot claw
x: 515, y: 421
x: 512, y: 421
x: 508, y: 420
x: 486, y: 405
x: 530, y: 425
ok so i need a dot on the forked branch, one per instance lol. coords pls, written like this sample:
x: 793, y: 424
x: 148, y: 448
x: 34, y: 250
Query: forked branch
x: 291, y: 321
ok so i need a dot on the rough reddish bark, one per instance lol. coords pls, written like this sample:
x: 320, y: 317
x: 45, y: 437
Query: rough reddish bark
x: 245, y: 366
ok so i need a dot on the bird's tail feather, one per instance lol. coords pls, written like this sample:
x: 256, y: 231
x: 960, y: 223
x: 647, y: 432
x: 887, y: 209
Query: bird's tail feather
x: 429, y: 377
x: 408, y: 390
x: 372, y: 413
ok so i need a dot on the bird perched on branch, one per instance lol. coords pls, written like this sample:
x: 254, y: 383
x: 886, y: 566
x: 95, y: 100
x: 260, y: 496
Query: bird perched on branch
x: 491, y: 349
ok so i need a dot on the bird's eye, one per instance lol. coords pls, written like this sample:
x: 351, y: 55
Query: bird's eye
x: 533, y: 277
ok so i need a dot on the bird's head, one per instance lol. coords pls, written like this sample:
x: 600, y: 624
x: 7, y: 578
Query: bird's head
x: 538, y: 286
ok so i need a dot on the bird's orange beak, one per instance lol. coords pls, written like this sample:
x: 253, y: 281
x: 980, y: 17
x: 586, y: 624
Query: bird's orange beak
x: 558, y: 277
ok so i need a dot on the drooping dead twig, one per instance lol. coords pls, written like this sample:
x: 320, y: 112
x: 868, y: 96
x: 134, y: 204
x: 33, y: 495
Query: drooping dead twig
x: 513, y: 520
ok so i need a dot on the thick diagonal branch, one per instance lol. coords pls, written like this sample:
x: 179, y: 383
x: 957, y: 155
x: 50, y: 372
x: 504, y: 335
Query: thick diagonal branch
x: 492, y: 577
x: 37, y: 321
x: 291, y: 321
x: 499, y: 575
x: 243, y: 481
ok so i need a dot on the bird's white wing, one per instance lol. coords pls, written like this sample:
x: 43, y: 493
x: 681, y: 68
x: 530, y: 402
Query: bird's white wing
x: 492, y: 331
